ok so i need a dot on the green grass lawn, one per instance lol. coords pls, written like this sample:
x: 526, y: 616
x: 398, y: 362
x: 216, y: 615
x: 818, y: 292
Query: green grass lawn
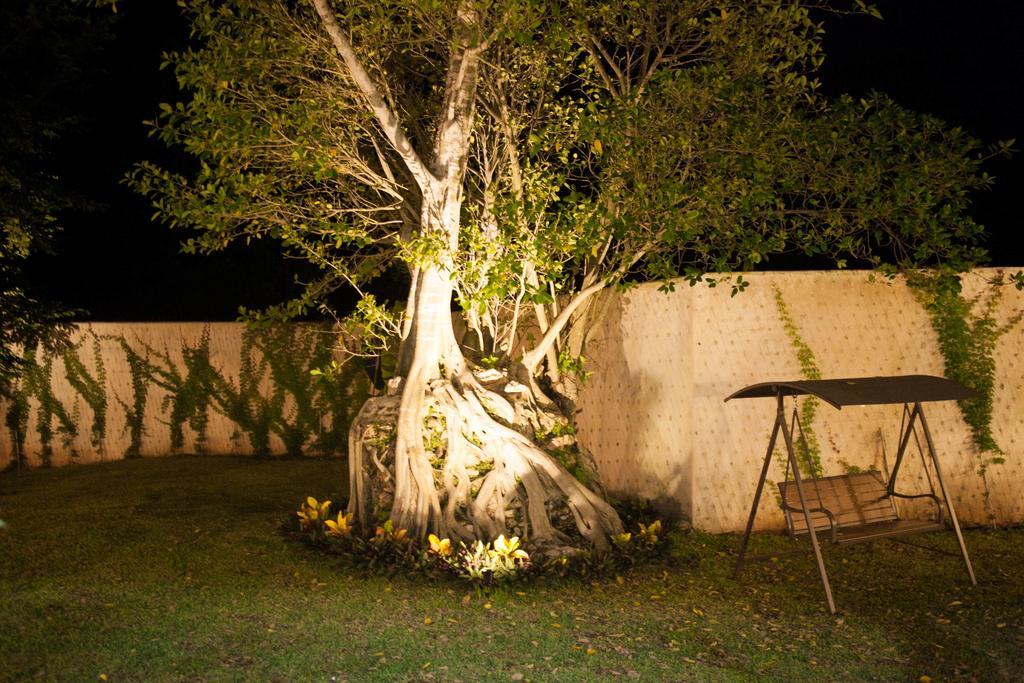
x: 172, y: 569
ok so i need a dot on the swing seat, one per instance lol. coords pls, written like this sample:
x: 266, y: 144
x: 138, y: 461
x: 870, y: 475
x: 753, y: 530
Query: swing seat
x: 851, y: 508
x: 856, y: 507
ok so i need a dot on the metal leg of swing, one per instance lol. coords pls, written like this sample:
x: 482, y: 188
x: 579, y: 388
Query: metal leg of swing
x: 945, y: 497
x: 812, y: 534
x: 757, y: 499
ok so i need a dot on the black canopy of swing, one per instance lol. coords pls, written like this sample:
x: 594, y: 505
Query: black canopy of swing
x: 860, y: 391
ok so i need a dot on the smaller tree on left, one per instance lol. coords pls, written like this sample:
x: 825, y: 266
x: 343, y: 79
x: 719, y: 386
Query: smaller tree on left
x: 45, y: 49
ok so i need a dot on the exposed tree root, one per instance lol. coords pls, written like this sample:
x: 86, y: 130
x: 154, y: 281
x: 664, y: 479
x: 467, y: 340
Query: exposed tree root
x: 473, y: 469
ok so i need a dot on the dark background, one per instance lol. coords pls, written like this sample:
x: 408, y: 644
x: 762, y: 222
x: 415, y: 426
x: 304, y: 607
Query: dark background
x: 961, y: 61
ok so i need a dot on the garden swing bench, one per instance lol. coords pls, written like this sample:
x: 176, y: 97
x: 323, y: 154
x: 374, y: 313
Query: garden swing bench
x: 856, y: 507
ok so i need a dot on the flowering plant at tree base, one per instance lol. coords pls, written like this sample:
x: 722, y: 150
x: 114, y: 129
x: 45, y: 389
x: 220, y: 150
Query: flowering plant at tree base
x: 388, y: 549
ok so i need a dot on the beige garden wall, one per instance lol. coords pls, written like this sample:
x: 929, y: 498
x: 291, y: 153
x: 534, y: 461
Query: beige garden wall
x: 653, y: 412
x: 222, y: 435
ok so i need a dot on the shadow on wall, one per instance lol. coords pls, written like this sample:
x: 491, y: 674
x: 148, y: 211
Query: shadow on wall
x: 635, y: 414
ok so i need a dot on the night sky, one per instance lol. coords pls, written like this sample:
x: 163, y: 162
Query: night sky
x: 963, y: 62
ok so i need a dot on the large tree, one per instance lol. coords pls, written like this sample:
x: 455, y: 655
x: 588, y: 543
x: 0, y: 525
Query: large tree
x: 515, y: 158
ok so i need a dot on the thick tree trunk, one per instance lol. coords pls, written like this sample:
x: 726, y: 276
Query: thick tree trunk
x: 452, y: 455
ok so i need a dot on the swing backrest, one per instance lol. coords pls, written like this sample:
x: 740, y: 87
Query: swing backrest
x: 854, y: 499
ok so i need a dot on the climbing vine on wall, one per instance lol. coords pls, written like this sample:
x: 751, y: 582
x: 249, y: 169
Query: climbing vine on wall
x: 281, y: 390
x: 91, y: 387
x: 288, y: 359
x: 16, y: 421
x: 968, y: 332
x: 808, y: 449
x: 140, y: 371
x: 189, y: 393
x: 302, y: 393
x: 246, y: 406
x: 36, y: 383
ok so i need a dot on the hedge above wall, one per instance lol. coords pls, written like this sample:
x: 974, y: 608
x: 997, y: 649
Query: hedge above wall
x: 131, y: 389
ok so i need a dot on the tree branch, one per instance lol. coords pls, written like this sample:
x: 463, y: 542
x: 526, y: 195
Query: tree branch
x: 534, y: 356
x: 386, y: 118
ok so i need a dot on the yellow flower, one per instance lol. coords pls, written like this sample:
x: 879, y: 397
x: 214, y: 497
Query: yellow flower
x: 312, y: 511
x: 622, y: 539
x: 650, y: 533
x: 342, y: 527
x: 388, y: 533
x: 442, y: 547
x: 509, y: 547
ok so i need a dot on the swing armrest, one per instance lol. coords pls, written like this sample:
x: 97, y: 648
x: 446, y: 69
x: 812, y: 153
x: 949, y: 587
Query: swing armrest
x: 825, y: 511
x: 935, y: 499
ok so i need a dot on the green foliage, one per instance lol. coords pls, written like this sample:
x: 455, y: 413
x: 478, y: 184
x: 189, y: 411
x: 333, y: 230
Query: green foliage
x: 586, y: 167
x: 571, y: 458
x: 574, y: 365
x: 808, y: 449
x: 435, y: 431
x: 297, y: 357
x: 562, y: 428
x: 967, y: 333
x: 91, y: 389
x: 37, y: 378
x: 287, y: 359
x: 385, y: 550
x: 135, y: 413
x: 480, y: 562
x: 189, y: 393
x: 36, y: 382
x: 16, y: 421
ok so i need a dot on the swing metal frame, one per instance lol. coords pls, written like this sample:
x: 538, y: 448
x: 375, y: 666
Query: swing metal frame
x: 911, y: 391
